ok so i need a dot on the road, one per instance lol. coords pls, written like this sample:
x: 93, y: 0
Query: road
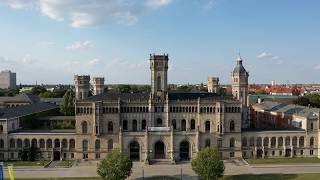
x: 88, y: 169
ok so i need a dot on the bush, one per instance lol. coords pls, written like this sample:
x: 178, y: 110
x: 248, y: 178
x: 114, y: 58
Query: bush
x: 116, y: 166
x: 208, y: 164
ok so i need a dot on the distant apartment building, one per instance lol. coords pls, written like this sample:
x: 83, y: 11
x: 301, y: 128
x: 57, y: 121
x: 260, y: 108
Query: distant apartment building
x: 7, y: 80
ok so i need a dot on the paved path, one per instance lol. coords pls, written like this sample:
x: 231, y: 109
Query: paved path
x: 88, y: 169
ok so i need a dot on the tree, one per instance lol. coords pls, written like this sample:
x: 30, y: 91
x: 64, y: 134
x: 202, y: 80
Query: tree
x: 38, y: 90
x: 67, y: 105
x: 208, y: 164
x: 116, y: 166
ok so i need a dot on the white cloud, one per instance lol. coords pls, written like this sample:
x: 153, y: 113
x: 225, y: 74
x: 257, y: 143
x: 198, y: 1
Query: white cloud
x: 28, y: 59
x: 94, y: 62
x: 267, y: 55
x: 317, y: 67
x: 210, y: 4
x: 19, y: 4
x: 81, y: 45
x: 84, y: 13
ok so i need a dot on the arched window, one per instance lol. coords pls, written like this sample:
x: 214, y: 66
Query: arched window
x: 294, y: 141
x: 97, y: 145
x: 49, y: 144
x: 259, y: 142
x: 143, y: 124
x: 159, y: 83
x: 1, y: 143
x: 26, y: 143
x: 159, y: 122
x: 193, y: 124
x: 311, y: 141
x: 287, y: 141
x: 231, y: 143
x: 56, y: 143
x: 174, y: 123
x: 110, y: 126
x: 311, y: 126
x: 84, y: 127
x: 183, y: 125
x: 301, y: 141
x: 72, y: 144
x: 1, y: 129
x: 231, y: 125
x: 19, y: 143
x: 280, y: 142
x: 273, y: 142
x: 85, y: 145
x: 251, y: 141
x: 244, y: 142
x: 64, y: 143
x: 208, y: 143
x: 12, y: 143
x: 125, y: 125
x: 207, y: 126
x: 34, y: 143
x: 42, y: 144
x: 110, y: 144
x: 266, y: 142
x: 134, y: 125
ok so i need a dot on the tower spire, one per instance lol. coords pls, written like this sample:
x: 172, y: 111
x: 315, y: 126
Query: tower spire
x: 239, y: 56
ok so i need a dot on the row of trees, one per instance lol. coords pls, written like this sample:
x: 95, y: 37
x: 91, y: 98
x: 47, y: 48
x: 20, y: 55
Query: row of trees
x: 310, y: 99
x: 117, y: 166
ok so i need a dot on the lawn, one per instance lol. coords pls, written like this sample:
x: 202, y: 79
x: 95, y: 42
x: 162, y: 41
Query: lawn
x: 65, y: 163
x: 284, y: 161
x: 26, y: 163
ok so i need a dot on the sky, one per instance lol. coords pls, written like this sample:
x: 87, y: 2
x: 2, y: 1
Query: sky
x: 49, y: 41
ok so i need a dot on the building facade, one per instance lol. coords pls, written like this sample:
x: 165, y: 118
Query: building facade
x: 8, y: 80
x: 158, y: 126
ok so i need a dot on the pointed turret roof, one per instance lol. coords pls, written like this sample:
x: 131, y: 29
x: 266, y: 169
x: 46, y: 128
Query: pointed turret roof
x: 239, y: 69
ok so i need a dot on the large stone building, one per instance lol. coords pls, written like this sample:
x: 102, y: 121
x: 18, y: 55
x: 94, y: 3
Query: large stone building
x: 156, y: 126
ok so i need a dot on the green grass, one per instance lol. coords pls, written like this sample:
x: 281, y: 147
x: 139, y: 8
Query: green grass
x: 26, y: 163
x: 284, y: 161
x: 65, y: 163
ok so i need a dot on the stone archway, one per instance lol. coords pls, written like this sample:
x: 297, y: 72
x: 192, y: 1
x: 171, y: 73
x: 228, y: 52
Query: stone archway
x: 56, y: 155
x: 184, y: 150
x: 159, y: 150
x: 134, y: 151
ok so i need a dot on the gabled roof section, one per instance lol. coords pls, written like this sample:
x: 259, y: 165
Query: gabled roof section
x: 21, y: 98
x: 21, y: 111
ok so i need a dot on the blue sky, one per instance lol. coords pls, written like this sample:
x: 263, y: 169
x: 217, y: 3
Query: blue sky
x: 49, y: 41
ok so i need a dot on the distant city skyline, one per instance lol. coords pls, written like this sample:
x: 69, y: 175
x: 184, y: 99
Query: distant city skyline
x: 51, y: 41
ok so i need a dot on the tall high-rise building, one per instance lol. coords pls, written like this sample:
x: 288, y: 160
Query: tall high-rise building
x: 8, y: 80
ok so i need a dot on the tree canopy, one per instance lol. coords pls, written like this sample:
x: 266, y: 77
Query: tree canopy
x: 309, y: 99
x: 67, y: 105
x: 116, y: 166
x: 208, y: 164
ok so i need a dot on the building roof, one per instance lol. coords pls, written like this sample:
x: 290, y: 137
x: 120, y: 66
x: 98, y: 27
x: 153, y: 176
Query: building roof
x: 7, y: 113
x: 43, y: 131
x: 239, y: 69
x: 53, y: 118
x: 288, y: 109
x: 20, y: 98
x: 175, y: 96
